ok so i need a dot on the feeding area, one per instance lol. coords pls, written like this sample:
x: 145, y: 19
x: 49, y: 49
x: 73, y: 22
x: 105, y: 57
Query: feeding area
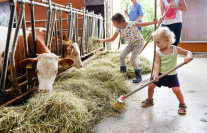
x: 79, y: 100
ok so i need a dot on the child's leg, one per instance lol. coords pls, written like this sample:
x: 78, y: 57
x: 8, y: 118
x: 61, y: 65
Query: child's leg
x: 133, y: 59
x: 178, y: 94
x: 124, y: 53
x: 182, y: 105
x: 149, y: 101
x: 151, y: 88
x: 135, y: 53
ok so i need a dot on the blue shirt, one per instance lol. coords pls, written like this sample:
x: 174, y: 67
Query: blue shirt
x: 135, y: 13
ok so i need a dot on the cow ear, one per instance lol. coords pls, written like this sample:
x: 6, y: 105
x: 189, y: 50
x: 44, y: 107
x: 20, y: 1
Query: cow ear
x: 66, y: 62
x: 28, y: 63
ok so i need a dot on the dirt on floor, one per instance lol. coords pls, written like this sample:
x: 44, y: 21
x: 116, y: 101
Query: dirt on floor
x: 163, y: 116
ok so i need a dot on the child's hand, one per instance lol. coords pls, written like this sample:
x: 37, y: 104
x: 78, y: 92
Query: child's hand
x: 100, y: 40
x: 155, y: 21
x: 155, y: 77
x: 187, y: 59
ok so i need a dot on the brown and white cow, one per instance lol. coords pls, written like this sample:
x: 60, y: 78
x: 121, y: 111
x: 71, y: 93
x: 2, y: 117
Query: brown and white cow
x: 71, y: 50
x: 46, y: 62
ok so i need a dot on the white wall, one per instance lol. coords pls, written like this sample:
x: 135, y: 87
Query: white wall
x: 115, y: 9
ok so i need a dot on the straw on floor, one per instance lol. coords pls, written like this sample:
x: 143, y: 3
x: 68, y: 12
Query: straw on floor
x: 80, y: 99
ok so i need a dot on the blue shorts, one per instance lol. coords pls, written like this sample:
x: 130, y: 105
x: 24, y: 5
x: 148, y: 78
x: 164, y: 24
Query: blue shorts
x: 168, y: 80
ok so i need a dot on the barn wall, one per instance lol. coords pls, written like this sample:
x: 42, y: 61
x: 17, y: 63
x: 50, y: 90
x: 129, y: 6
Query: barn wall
x: 40, y: 12
x: 194, y: 35
x: 5, y: 12
x: 195, y: 21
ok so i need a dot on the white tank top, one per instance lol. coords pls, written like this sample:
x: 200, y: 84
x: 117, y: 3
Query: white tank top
x: 173, y: 15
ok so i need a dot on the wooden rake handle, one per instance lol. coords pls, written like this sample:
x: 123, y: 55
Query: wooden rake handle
x: 148, y: 40
x: 159, y: 77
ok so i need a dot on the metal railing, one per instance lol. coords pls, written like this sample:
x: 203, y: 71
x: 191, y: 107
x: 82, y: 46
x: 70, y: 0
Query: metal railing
x: 92, y: 25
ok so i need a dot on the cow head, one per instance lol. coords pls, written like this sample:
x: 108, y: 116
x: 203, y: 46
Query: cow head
x: 47, y: 67
x: 71, y: 50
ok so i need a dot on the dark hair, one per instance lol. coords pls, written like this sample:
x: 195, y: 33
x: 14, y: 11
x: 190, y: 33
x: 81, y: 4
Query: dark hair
x: 118, y: 17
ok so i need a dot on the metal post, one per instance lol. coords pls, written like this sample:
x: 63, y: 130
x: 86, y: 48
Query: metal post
x: 52, y: 28
x: 69, y: 19
x: 6, y: 52
x: 56, y: 36
x: 82, y: 33
x: 33, y: 28
x: 24, y: 31
x: 12, y: 61
x: 60, y: 31
x: 76, y: 27
x: 48, y: 23
x: 86, y: 34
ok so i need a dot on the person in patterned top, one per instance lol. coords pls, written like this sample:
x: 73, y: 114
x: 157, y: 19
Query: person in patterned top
x: 130, y: 32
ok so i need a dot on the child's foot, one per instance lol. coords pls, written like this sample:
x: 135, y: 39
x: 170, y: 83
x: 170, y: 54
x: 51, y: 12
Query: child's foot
x: 148, y: 102
x: 182, y: 109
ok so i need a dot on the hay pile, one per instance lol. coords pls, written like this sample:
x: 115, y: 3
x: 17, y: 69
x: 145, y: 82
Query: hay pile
x: 93, y: 43
x: 79, y: 100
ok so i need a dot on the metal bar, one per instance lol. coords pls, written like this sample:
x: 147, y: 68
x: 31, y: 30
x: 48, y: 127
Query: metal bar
x: 76, y: 28
x: 60, y: 32
x: 49, y: 10
x: 12, y: 61
x: 69, y: 19
x: 71, y: 29
x: 15, y: 99
x: 60, y: 7
x: 24, y: 32
x: 82, y: 34
x: 85, y: 47
x: 31, y: 5
x: 6, y: 52
x: 52, y: 28
x: 56, y: 37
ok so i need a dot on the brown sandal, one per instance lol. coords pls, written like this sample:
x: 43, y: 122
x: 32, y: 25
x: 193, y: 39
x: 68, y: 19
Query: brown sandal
x: 182, y: 109
x: 148, y: 102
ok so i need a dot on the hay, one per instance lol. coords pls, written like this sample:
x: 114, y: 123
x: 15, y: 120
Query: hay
x: 93, y: 43
x: 113, y: 58
x: 80, y: 99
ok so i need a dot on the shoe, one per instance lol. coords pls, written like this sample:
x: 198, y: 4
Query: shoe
x: 148, y: 102
x: 182, y: 109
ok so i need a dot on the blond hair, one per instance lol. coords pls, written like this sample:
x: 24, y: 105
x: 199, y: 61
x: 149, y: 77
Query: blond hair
x: 164, y: 33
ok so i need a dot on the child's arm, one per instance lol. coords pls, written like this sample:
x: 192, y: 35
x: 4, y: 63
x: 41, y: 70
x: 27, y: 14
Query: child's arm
x: 156, y: 66
x: 137, y: 24
x: 188, y: 54
x: 110, y: 39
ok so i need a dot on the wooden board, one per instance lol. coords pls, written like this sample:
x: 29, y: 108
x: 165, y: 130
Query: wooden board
x: 194, y: 47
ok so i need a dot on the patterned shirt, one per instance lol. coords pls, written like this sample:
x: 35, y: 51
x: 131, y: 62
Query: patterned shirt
x: 131, y: 33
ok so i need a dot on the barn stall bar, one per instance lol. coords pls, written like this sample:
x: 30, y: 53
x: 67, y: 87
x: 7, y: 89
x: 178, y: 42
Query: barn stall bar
x: 77, y: 24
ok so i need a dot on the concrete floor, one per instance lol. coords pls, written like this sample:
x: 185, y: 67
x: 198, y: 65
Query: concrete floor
x: 163, y: 116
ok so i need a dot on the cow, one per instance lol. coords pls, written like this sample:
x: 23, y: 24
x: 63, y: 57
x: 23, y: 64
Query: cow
x: 70, y: 50
x: 46, y: 62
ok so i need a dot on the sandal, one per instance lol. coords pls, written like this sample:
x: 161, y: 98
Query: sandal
x: 182, y: 109
x: 148, y: 102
